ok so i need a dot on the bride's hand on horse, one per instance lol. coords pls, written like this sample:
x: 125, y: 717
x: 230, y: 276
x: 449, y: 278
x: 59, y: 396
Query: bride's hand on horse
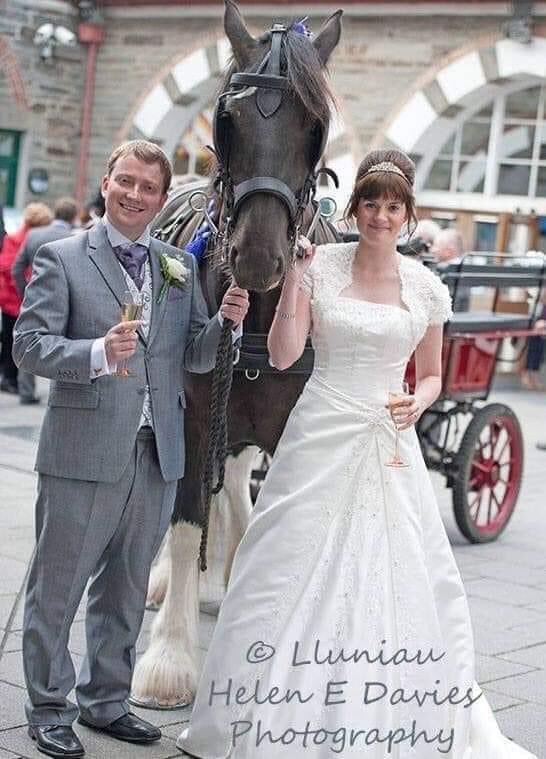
x: 406, y: 412
x: 303, y: 260
x: 234, y: 304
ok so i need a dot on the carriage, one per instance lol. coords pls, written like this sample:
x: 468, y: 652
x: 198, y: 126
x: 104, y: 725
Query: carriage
x: 477, y: 446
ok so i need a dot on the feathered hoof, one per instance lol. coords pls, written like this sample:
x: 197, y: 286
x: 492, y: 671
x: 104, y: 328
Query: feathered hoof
x: 164, y: 678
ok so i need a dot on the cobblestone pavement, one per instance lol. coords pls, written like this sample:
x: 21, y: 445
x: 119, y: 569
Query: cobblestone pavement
x: 505, y: 582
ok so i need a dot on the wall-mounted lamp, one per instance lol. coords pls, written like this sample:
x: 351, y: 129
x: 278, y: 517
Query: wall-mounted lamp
x: 48, y: 37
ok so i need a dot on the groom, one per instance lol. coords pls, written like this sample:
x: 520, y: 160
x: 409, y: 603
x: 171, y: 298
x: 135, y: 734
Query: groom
x: 111, y: 448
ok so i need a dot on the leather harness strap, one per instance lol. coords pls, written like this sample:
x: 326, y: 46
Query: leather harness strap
x: 254, y: 357
x: 270, y: 185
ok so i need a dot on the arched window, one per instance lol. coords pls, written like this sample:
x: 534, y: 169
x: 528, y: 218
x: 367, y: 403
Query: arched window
x: 497, y: 150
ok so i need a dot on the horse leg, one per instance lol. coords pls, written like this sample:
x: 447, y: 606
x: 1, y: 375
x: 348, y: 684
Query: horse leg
x: 159, y: 575
x: 238, y: 501
x: 166, y: 675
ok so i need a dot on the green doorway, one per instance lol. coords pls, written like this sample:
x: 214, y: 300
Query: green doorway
x: 9, y: 159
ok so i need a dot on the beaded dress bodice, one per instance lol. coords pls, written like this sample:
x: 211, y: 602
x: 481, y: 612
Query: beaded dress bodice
x: 362, y: 347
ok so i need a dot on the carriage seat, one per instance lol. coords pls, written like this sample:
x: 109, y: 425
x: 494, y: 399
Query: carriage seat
x: 486, y: 321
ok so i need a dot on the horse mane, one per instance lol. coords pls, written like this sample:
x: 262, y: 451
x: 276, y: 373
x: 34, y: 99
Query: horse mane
x: 302, y: 67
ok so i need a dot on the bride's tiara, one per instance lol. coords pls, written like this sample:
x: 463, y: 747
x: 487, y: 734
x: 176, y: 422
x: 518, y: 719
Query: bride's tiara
x: 389, y: 167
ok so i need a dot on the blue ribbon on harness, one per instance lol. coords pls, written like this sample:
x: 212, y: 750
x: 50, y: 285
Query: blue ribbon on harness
x: 301, y: 27
x: 197, y: 246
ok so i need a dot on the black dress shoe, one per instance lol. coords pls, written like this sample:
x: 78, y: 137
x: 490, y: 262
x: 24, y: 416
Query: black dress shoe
x: 56, y: 740
x: 128, y: 728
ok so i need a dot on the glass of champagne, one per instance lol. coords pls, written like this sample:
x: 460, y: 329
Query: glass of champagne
x: 397, y: 394
x: 131, y: 310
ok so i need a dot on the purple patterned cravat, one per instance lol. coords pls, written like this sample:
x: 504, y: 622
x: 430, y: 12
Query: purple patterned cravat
x: 132, y: 258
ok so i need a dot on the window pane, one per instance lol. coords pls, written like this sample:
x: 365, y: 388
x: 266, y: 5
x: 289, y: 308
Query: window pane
x: 486, y: 112
x: 4, y: 179
x: 7, y: 145
x: 440, y: 176
x: 449, y: 146
x: 541, y: 183
x: 542, y: 146
x: 517, y: 142
x: 471, y: 176
x: 486, y: 235
x: 513, y: 180
x: 475, y: 138
x: 523, y: 104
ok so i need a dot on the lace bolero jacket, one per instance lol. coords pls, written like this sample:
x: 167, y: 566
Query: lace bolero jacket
x: 424, y: 295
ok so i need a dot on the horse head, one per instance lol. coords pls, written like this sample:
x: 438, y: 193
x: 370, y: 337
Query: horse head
x: 271, y: 126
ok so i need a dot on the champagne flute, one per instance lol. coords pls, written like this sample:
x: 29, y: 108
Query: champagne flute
x: 131, y: 310
x: 397, y: 394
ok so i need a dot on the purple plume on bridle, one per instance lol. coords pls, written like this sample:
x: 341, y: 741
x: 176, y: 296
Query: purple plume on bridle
x: 301, y: 27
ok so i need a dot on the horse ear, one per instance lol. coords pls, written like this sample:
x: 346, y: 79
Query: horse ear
x: 328, y: 37
x: 242, y: 42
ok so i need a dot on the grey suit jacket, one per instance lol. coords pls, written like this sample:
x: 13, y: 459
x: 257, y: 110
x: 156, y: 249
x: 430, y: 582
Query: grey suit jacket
x: 90, y: 426
x: 34, y: 239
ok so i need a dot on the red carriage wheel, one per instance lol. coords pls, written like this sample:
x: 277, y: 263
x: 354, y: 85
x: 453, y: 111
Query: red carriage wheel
x: 489, y: 467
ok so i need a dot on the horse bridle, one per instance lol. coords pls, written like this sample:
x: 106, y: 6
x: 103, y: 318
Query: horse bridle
x: 271, y: 85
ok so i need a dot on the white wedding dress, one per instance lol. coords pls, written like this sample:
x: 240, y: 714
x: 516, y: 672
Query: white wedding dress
x: 343, y: 554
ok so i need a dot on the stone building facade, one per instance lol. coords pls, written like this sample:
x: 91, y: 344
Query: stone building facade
x: 415, y: 75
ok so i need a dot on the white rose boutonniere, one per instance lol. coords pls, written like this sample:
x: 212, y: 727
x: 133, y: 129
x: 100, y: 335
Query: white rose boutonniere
x: 174, y: 273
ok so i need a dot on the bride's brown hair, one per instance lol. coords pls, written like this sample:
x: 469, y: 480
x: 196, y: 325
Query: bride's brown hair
x: 375, y: 179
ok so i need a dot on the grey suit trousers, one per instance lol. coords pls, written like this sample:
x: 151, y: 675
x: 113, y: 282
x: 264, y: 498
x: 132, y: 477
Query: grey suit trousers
x: 107, y: 533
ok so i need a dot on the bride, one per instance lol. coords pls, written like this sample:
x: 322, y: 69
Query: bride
x: 345, y: 629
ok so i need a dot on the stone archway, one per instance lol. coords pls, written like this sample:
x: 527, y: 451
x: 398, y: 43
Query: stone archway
x: 468, y: 77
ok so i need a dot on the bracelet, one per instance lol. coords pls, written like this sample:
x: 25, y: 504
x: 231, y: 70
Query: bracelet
x: 285, y: 315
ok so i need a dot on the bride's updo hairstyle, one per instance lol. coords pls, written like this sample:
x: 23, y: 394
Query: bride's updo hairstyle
x: 384, y: 173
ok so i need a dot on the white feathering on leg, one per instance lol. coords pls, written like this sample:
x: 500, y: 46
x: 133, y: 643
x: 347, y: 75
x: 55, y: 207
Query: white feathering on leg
x: 236, y: 485
x: 167, y: 673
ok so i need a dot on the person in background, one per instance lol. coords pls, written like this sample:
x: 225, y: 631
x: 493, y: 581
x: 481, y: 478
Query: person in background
x: 419, y: 243
x: 65, y: 213
x: 2, y: 233
x: 536, y: 352
x: 447, y: 246
x: 35, y: 215
x: 92, y: 212
x: 2, y: 227
x: 427, y: 230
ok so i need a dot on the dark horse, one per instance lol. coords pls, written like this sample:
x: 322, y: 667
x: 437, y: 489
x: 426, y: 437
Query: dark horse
x: 270, y: 130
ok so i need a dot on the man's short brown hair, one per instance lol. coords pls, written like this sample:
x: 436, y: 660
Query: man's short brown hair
x: 147, y: 152
x: 66, y: 209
